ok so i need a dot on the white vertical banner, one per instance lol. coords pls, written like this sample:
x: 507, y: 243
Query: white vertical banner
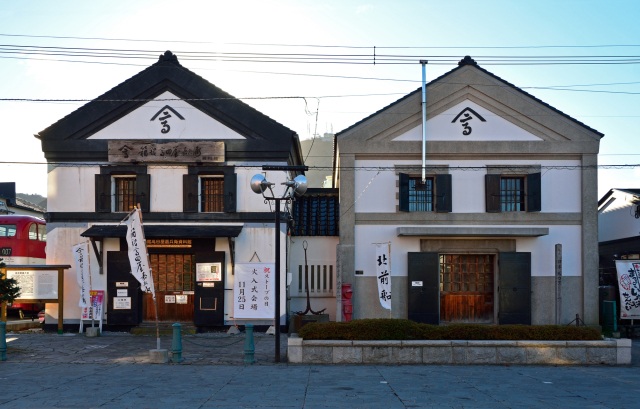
x: 83, y: 273
x: 138, y: 253
x: 629, y: 283
x: 254, y: 290
x: 383, y: 274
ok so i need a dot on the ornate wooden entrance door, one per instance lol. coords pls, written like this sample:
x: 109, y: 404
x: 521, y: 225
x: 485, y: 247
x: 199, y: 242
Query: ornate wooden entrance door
x: 467, y: 288
x: 173, y: 276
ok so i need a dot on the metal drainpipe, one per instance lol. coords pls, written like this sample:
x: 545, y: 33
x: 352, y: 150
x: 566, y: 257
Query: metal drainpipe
x: 424, y: 119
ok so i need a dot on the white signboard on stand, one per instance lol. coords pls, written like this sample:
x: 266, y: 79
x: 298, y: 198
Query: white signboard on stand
x: 254, y: 291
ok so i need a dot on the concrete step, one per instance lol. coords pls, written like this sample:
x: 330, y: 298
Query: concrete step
x: 22, y: 325
x: 165, y: 328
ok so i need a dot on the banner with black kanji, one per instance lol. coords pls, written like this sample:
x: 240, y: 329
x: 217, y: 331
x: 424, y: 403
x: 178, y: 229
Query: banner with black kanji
x: 254, y: 290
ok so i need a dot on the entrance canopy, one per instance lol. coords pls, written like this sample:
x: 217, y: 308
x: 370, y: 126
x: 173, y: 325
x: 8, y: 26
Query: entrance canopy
x: 165, y: 231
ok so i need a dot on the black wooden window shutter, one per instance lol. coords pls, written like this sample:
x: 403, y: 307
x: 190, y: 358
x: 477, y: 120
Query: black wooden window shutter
x: 492, y: 192
x: 190, y: 193
x: 230, y: 188
x: 403, y: 186
x: 443, y: 193
x: 143, y: 189
x: 534, y: 192
x: 103, y: 193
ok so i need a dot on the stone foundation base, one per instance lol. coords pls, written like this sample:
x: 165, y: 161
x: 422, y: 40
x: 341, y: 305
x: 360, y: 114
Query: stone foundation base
x: 606, y: 352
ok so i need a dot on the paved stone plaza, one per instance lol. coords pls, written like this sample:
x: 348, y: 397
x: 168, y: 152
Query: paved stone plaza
x: 113, y: 371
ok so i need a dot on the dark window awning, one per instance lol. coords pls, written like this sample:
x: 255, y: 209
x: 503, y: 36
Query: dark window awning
x: 165, y: 231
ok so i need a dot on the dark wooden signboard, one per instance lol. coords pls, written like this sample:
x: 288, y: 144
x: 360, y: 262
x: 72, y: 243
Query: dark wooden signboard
x: 169, y: 151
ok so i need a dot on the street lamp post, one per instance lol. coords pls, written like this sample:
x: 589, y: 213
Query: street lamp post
x: 295, y: 187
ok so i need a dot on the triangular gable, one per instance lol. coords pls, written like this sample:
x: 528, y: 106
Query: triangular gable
x: 468, y: 121
x: 166, y: 117
x: 248, y: 134
x: 517, y: 115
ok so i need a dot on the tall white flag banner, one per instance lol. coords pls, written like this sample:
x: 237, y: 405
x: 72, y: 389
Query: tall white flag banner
x: 629, y: 283
x: 81, y: 256
x: 383, y: 274
x: 138, y: 253
x: 254, y: 290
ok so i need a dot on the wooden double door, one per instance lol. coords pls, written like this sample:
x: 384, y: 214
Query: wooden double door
x: 476, y: 288
x: 174, y: 279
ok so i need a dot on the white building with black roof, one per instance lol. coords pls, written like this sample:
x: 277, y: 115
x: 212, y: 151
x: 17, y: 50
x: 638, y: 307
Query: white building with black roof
x: 184, y: 150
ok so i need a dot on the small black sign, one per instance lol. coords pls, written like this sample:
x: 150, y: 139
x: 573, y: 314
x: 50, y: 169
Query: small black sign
x: 5, y: 251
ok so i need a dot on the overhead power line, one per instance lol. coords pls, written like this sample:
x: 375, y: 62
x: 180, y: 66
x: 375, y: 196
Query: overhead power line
x: 431, y: 47
x: 365, y: 56
x: 364, y: 168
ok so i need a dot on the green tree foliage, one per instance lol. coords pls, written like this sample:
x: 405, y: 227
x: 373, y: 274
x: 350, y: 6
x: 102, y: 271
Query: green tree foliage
x: 9, y: 289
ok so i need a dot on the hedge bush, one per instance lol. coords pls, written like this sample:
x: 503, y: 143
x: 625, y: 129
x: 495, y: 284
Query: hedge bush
x: 400, y: 329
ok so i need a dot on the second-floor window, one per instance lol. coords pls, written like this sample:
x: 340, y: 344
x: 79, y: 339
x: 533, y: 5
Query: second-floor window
x: 212, y: 194
x: 209, y: 189
x: 420, y: 194
x: 119, y: 188
x: 125, y: 193
x: 512, y: 194
x: 434, y: 194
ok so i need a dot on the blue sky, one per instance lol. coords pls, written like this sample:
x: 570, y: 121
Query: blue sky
x: 605, y: 97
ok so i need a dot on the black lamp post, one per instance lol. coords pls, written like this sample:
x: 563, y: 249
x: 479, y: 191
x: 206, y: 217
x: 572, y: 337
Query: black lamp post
x: 295, y: 187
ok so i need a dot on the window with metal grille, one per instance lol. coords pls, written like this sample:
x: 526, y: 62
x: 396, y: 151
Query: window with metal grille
x: 512, y: 194
x: 212, y: 194
x: 125, y: 193
x: 420, y: 194
x: 321, y: 279
x: 173, y: 272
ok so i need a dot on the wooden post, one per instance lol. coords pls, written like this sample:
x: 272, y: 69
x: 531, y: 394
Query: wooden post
x: 61, y: 300
x: 3, y: 312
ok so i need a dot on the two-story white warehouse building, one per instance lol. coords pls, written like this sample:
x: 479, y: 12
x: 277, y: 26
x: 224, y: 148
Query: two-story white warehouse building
x: 507, y: 178
x: 185, y: 151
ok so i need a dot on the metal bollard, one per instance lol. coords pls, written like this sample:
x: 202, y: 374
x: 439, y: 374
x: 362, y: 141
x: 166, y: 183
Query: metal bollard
x: 249, y: 348
x: 3, y: 341
x: 176, y: 344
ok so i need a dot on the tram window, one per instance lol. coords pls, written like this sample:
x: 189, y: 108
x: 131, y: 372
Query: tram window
x: 33, y: 232
x: 7, y: 230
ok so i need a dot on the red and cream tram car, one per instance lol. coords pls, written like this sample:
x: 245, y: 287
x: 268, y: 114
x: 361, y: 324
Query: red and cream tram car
x: 23, y: 241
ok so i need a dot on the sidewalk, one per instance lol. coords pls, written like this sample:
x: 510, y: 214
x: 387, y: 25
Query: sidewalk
x: 47, y: 370
x: 217, y: 348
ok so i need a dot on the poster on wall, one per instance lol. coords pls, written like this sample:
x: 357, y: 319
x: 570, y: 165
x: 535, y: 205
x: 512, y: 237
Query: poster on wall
x: 36, y: 284
x: 254, y: 291
x: 207, y: 272
x: 629, y: 284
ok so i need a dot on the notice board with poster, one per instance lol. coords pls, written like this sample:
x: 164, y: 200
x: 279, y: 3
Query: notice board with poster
x: 38, y: 284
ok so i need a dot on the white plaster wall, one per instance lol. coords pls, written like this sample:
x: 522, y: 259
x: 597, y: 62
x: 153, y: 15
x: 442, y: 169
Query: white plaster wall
x: 71, y: 189
x: 542, y: 249
x: 166, y: 188
x: 618, y: 223
x: 248, y: 201
x: 320, y: 251
x: 375, y: 190
x: 495, y: 128
x: 60, y: 253
x: 256, y: 243
x: 195, y: 125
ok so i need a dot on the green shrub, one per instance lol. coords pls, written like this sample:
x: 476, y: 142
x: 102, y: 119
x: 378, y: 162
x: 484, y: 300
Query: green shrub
x: 400, y: 329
